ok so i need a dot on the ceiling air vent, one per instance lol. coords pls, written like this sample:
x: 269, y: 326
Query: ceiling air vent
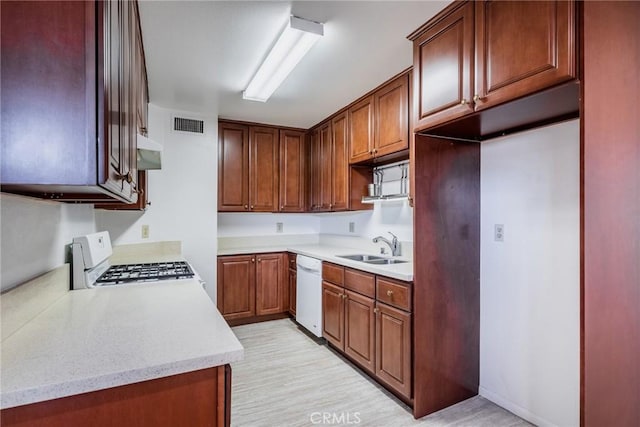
x: 188, y: 125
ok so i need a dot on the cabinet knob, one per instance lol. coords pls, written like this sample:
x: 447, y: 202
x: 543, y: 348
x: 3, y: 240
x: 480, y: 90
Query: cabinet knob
x: 253, y: 260
x: 463, y: 102
x: 281, y: 207
x: 259, y: 260
x: 246, y: 207
x: 330, y: 205
x: 251, y: 207
x: 344, y: 296
x: 375, y: 151
x: 389, y: 293
x: 376, y: 310
x: 477, y: 98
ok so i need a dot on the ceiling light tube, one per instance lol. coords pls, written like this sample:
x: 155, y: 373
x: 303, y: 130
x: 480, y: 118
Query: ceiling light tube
x: 294, y: 42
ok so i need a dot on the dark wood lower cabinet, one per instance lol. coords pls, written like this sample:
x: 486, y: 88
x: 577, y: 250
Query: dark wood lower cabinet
x: 293, y: 283
x: 333, y: 314
x: 393, y: 348
x: 252, y: 288
x: 375, y: 336
x: 359, y: 329
x: 270, y: 289
x: 199, y: 398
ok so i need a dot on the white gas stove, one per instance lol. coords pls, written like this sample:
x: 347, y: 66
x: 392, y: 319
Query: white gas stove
x: 91, y: 267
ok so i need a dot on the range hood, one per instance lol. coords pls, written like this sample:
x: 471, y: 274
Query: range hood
x: 149, y: 154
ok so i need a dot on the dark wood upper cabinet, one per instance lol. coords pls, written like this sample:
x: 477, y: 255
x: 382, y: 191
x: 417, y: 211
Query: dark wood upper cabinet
x: 293, y: 155
x: 233, y: 167
x: 339, y: 163
x: 379, y: 123
x: 476, y: 55
x: 326, y: 167
x: 69, y: 99
x: 522, y: 47
x: 361, y: 130
x: 315, y: 170
x: 263, y: 169
x: 392, y: 117
x: 443, y: 68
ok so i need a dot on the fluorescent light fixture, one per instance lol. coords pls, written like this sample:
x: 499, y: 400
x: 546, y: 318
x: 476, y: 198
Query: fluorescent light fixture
x: 294, y: 42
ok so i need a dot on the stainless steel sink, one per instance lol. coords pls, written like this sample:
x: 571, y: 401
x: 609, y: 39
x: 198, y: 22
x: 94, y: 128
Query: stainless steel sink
x: 372, y: 259
x: 386, y: 261
x: 363, y: 258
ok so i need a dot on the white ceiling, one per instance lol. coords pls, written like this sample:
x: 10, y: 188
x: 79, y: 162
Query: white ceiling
x: 201, y: 54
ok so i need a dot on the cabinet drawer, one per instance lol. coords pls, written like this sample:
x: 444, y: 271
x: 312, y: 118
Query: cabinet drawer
x: 394, y: 293
x: 360, y: 281
x: 333, y: 273
x: 292, y: 261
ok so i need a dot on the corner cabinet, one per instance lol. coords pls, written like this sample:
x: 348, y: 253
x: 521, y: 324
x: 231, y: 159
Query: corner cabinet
x: 69, y: 133
x: 329, y: 184
x: 252, y: 287
x: 476, y: 55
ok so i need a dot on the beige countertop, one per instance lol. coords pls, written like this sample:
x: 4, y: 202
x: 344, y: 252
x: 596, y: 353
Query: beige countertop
x: 92, y: 339
x: 329, y: 253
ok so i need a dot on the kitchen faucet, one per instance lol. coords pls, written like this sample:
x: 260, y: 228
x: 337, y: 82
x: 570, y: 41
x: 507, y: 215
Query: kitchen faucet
x: 393, y: 244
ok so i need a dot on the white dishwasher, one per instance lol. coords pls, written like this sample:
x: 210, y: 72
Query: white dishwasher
x: 309, y: 294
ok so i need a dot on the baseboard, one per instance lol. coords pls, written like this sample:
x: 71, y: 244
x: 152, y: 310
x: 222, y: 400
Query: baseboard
x: 514, y: 408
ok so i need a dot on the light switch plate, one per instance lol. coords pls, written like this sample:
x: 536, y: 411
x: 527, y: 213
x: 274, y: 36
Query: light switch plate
x: 145, y: 231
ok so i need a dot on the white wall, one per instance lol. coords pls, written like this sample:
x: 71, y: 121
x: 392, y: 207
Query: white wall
x: 183, y: 195
x: 396, y: 217
x: 35, y: 233
x: 530, y: 313
x: 264, y: 224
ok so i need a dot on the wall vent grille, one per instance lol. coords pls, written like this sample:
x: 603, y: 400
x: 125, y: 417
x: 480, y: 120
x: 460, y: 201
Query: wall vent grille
x: 188, y: 125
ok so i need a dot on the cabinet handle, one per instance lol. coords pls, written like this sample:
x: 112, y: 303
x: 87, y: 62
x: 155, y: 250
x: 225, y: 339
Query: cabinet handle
x: 389, y: 293
x: 463, y: 102
x: 128, y: 177
x: 251, y: 207
x: 253, y: 260
x: 376, y: 310
x: 246, y: 207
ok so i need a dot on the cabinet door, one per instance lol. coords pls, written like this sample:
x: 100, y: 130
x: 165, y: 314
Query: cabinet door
x: 522, y: 47
x: 233, y: 167
x: 361, y: 130
x: 333, y: 314
x: 236, y: 286
x: 293, y: 278
x: 315, y: 172
x: 359, y: 329
x: 339, y: 164
x: 393, y: 348
x: 392, y: 117
x: 263, y: 169
x: 292, y: 171
x: 443, y: 66
x: 326, y: 158
x: 270, y: 284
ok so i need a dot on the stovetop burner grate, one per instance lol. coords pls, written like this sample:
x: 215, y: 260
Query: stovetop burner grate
x: 147, y: 272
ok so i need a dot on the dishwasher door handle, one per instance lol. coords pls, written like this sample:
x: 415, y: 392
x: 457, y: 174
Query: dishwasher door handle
x: 309, y: 270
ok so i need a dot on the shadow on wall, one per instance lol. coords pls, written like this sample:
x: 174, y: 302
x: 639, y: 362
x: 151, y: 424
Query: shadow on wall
x: 35, y: 235
x: 119, y: 222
